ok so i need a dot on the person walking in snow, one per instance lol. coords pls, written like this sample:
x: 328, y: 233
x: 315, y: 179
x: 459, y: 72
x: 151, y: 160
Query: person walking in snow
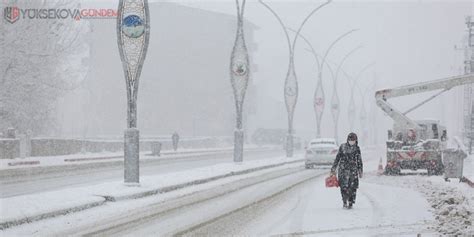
x: 348, y: 163
x: 175, y: 140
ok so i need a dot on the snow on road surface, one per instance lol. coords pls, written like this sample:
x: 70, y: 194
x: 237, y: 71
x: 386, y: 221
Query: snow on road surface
x: 100, y: 157
x: 297, y: 203
x: 312, y: 209
x: 386, y: 205
x: 81, y: 177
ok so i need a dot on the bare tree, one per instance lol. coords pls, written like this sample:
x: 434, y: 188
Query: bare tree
x: 40, y: 59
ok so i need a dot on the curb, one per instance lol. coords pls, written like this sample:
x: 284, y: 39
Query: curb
x: 91, y: 158
x: 168, y: 152
x: 38, y: 170
x: 191, y: 183
x: 34, y: 162
x: 148, y: 154
x: 23, y: 220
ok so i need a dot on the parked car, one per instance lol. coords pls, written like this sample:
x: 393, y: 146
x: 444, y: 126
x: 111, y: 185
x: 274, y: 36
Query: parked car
x: 320, y: 151
x: 268, y: 136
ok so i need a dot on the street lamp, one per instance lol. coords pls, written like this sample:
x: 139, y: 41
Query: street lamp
x: 133, y: 33
x: 353, y: 82
x: 335, y: 97
x: 239, y: 77
x: 363, y: 111
x: 319, y: 98
x: 291, y: 83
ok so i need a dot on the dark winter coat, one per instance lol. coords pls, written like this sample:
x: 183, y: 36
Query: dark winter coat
x: 349, y: 163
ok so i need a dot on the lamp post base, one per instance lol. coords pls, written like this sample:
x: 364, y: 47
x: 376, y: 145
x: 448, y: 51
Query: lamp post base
x: 131, y: 184
x: 289, y: 145
x: 238, y: 145
x: 131, y: 155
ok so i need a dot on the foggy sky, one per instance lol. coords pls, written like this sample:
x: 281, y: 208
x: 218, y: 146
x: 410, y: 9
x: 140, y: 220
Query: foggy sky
x: 409, y: 41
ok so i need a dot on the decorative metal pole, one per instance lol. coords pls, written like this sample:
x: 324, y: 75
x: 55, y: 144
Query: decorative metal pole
x: 374, y: 114
x: 335, y: 104
x: 291, y: 83
x: 353, y: 83
x: 239, y: 77
x: 363, y: 112
x: 133, y: 33
x: 319, y: 100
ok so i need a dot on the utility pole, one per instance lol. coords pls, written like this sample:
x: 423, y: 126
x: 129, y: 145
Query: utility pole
x: 467, y: 99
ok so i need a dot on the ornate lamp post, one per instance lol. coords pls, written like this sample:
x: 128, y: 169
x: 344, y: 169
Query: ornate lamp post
x: 133, y: 32
x: 319, y: 99
x: 335, y: 104
x: 239, y: 77
x: 363, y: 111
x: 353, y: 83
x: 291, y: 83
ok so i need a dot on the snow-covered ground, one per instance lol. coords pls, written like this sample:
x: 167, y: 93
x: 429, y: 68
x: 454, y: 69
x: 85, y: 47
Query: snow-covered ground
x: 386, y: 205
x: 105, y: 157
x: 42, y: 204
x: 30, y: 180
x: 452, y: 203
x: 312, y: 209
x: 284, y: 201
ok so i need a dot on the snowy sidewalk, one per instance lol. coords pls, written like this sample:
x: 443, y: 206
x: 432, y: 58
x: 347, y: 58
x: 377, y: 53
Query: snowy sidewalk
x: 23, y: 209
x: 450, y: 202
x: 314, y: 210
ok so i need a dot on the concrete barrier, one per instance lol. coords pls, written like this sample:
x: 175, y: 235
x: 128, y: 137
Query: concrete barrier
x: 9, y: 148
x: 57, y: 147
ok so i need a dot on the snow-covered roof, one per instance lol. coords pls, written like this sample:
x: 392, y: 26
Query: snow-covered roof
x: 323, y: 140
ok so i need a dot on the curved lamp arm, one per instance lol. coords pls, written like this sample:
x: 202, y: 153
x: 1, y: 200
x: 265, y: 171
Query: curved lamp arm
x: 305, y: 20
x: 282, y: 25
x: 337, y: 40
x: 345, y: 58
x: 311, y: 48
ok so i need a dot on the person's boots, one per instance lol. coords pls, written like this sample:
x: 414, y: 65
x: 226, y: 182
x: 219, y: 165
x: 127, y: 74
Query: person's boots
x: 351, y: 200
x: 344, y: 197
x: 354, y: 193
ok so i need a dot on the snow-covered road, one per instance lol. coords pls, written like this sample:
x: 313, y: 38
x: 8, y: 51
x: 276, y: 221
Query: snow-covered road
x: 312, y: 209
x: 297, y: 204
x: 84, y: 177
x: 282, y: 201
x: 386, y: 206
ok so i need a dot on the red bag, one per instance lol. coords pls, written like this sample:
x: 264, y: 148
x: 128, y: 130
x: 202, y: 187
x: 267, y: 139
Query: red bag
x: 331, y: 181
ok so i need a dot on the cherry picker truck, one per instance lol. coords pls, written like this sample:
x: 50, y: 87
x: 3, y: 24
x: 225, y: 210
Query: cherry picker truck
x: 416, y: 144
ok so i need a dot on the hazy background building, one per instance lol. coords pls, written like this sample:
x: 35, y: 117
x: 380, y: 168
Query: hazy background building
x: 184, y: 86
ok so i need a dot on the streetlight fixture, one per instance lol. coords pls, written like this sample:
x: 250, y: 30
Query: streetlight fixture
x: 239, y: 77
x: 335, y: 97
x: 133, y: 33
x: 291, y: 82
x: 319, y: 100
x: 353, y: 82
x: 363, y: 111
